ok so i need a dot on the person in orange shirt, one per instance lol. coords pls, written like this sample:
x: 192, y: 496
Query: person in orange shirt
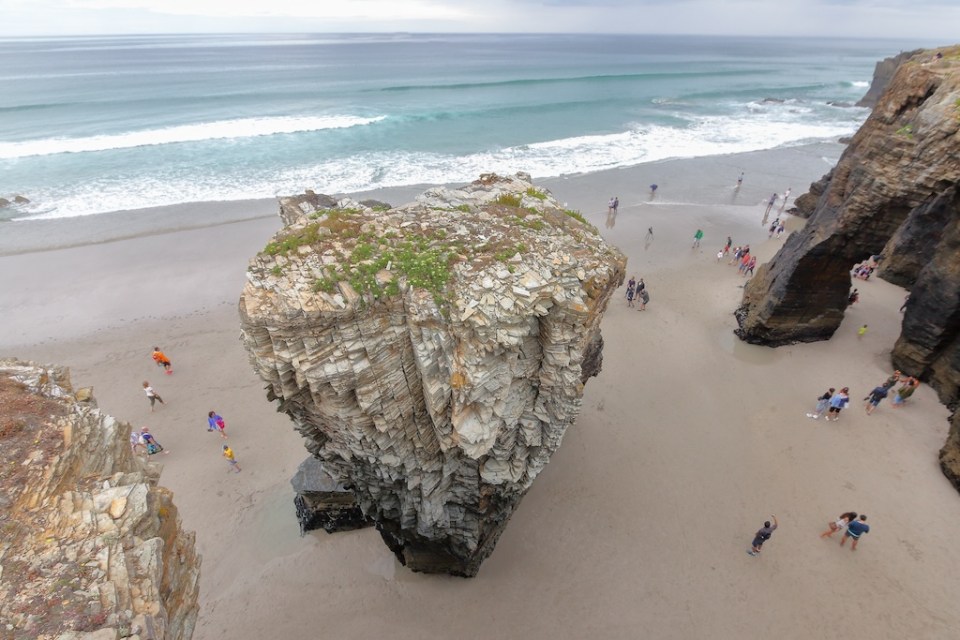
x: 162, y: 360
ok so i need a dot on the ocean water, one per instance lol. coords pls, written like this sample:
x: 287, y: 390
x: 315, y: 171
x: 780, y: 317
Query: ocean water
x: 96, y: 124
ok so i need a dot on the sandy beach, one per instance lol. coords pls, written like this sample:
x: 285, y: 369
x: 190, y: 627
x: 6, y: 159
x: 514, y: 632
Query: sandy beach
x: 688, y: 439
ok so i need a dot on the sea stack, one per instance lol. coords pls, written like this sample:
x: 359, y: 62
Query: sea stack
x: 894, y: 194
x: 432, y: 355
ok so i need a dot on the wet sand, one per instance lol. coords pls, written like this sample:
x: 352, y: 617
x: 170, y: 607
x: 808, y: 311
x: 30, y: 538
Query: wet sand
x: 639, y: 527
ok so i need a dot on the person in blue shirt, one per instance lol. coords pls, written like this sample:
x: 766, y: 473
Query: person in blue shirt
x: 875, y: 397
x: 837, y: 403
x: 854, y: 530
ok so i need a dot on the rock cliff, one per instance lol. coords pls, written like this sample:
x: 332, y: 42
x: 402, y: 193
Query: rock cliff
x: 92, y: 547
x: 432, y: 355
x: 894, y: 193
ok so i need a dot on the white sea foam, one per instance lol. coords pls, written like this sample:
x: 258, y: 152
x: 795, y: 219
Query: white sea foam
x: 222, y: 129
x: 775, y: 126
x: 860, y: 84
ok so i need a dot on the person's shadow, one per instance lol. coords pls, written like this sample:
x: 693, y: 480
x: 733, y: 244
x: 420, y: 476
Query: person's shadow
x: 611, y: 219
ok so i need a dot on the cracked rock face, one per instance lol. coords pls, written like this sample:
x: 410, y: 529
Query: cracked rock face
x: 432, y: 355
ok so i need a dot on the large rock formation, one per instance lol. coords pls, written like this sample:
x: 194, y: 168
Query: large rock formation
x: 92, y: 547
x: 432, y: 355
x: 894, y: 193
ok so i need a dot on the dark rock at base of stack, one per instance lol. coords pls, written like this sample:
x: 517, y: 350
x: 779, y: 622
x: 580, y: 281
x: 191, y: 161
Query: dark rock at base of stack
x: 322, y: 502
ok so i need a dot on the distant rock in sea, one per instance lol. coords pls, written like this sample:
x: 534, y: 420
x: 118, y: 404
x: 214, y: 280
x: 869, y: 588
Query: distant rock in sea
x: 432, y: 355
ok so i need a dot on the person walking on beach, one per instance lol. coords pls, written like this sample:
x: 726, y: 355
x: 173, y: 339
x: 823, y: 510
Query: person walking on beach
x: 630, y: 296
x: 862, y: 331
x: 854, y: 530
x: 231, y: 459
x: 616, y: 204
x: 215, y: 423
x: 153, y: 447
x: 726, y: 248
x: 780, y: 229
x: 762, y: 536
x: 839, y: 524
x: 697, y: 237
x: 719, y: 256
x: 786, y: 194
x: 610, y: 209
x: 136, y: 442
x: 822, y: 403
x: 872, y: 400
x: 653, y: 189
x: 162, y: 360
x: 770, y: 203
x: 740, y: 180
x: 152, y: 395
x: 837, y: 403
x: 905, y: 391
x: 854, y: 297
x: 750, y: 266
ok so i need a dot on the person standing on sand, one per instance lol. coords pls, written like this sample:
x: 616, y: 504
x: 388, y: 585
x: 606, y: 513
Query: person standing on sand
x: 719, y: 256
x: 751, y: 266
x: 162, y: 360
x: 616, y: 204
x: 215, y: 423
x: 904, y: 392
x: 786, y: 194
x: 643, y: 295
x: 610, y: 209
x: 839, y: 524
x: 906, y: 299
x: 762, y: 536
x: 650, y: 233
x: 231, y: 459
x: 854, y: 297
x: 630, y: 294
x: 822, y: 403
x: 862, y: 331
x: 697, y: 237
x: 152, y: 395
x: 872, y: 400
x: 726, y: 248
x: 837, y: 403
x: 740, y: 180
x: 854, y: 530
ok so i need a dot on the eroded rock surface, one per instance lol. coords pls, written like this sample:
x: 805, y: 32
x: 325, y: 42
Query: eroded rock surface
x: 434, y: 354
x: 92, y: 547
x: 894, y: 193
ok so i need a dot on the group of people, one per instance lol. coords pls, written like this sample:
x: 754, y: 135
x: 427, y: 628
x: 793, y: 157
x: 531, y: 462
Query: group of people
x: 745, y: 262
x: 852, y: 526
x: 144, y: 440
x: 776, y: 227
x: 637, y: 290
x: 833, y: 401
x: 613, y: 205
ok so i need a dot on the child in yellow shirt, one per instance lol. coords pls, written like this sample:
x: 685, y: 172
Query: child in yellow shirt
x: 231, y: 459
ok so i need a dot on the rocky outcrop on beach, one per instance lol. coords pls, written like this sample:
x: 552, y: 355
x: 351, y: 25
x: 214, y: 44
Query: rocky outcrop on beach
x: 893, y: 194
x: 432, y: 355
x: 883, y: 74
x: 92, y: 546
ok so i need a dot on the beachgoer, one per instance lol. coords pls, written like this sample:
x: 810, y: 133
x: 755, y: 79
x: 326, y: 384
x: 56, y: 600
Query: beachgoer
x: 892, y: 379
x: 822, y: 403
x: 786, y: 194
x: 610, y: 209
x: 153, y: 447
x: 740, y: 180
x: 773, y: 228
x: 697, y: 237
x: 837, y: 403
x: 616, y: 204
x: 215, y: 423
x: 632, y: 283
x: 650, y: 232
x: 839, y: 524
x: 780, y: 229
x: 906, y: 299
x: 152, y: 395
x: 641, y: 286
x: 762, y: 536
x: 726, y: 248
x: 136, y: 442
x: 854, y: 530
x: 854, y: 297
x: 644, y: 298
x: 630, y: 295
x: 653, y: 189
x: 231, y: 459
x: 770, y: 203
x: 719, y: 256
x: 751, y: 266
x: 862, y: 331
x: 162, y: 360
x: 904, y: 392
x: 872, y: 400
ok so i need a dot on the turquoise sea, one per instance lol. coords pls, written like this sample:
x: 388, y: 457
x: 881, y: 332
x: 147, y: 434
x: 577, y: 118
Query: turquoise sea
x: 96, y: 124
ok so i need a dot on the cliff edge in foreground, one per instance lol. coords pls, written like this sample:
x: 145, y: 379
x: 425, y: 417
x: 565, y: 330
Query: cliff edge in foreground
x: 432, y: 355
x: 92, y: 548
x: 894, y: 193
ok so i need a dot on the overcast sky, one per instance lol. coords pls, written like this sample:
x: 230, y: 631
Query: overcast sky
x: 932, y: 21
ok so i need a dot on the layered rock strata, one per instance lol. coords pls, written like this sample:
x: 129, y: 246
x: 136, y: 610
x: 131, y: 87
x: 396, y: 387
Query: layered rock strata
x: 92, y: 546
x: 894, y: 193
x: 432, y: 355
